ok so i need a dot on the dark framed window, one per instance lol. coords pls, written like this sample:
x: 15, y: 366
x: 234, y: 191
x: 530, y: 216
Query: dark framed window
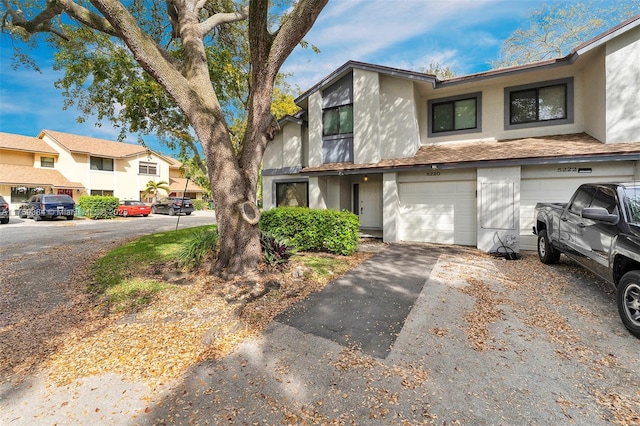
x: 148, y: 168
x: 337, y: 120
x: 103, y: 192
x: 292, y: 194
x: 100, y: 163
x: 46, y: 162
x: 541, y: 104
x: 456, y: 114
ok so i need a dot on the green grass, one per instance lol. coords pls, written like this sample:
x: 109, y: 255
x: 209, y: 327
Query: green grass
x: 323, y: 266
x: 120, y: 277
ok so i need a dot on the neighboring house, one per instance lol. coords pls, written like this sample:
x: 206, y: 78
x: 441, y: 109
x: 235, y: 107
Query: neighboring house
x: 182, y: 187
x: 29, y: 166
x: 57, y: 162
x: 464, y: 160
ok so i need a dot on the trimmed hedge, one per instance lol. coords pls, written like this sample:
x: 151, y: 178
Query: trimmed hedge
x: 98, y: 206
x: 312, y: 229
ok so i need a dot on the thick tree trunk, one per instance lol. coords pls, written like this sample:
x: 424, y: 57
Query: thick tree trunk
x: 231, y: 188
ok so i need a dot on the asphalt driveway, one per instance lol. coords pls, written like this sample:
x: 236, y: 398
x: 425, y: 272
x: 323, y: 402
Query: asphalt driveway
x: 419, y: 334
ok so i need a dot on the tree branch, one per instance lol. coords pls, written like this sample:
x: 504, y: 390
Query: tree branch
x: 222, y: 18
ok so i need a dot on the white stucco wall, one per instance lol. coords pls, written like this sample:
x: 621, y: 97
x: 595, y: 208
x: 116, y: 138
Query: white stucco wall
x: 623, y: 80
x: 285, y: 150
x: 594, y: 89
x: 498, y: 208
x: 390, y: 207
x: 399, y: 134
x: 366, y: 117
x: 272, y: 158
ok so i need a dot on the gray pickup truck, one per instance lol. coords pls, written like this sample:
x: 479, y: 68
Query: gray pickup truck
x: 599, y: 228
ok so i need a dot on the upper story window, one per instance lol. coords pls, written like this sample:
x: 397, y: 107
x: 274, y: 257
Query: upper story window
x: 99, y: 163
x: 456, y: 114
x: 148, y: 168
x: 46, y: 162
x: 541, y: 104
x: 337, y: 120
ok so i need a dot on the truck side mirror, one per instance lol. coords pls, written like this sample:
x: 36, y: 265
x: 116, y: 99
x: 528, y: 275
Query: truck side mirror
x: 600, y: 214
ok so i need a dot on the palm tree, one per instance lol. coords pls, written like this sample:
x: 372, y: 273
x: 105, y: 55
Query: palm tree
x: 153, y: 187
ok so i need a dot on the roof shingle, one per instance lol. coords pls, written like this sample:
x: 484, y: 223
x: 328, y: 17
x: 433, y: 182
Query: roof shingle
x: 470, y: 153
x: 12, y: 174
x: 94, y: 146
x: 24, y: 143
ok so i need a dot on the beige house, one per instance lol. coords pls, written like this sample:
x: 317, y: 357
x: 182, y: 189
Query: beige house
x: 57, y: 162
x: 464, y: 160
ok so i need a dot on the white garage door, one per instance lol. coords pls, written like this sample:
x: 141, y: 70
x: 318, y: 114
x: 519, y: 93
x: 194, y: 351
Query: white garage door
x: 438, y: 212
x: 556, y: 185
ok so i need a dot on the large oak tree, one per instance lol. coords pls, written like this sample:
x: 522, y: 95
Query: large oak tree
x: 185, y: 76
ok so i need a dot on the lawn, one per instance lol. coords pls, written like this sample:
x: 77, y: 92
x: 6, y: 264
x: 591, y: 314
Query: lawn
x: 160, y: 318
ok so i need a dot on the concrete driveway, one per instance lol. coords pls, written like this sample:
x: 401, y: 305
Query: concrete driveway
x: 418, y: 334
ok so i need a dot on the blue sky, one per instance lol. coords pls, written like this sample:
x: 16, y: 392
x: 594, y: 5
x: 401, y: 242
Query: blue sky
x: 410, y: 34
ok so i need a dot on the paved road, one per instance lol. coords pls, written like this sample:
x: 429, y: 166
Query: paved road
x: 26, y: 236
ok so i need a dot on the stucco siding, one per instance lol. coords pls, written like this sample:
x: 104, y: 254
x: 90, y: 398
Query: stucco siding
x: 17, y: 158
x: 623, y: 80
x: 399, y: 134
x: 366, y: 117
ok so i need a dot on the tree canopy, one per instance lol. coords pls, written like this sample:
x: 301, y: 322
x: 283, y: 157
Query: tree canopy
x: 552, y: 30
x: 182, y: 70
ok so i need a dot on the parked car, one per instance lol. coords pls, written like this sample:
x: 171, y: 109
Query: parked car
x: 133, y: 208
x: 48, y: 205
x: 599, y: 228
x: 4, y: 211
x: 172, y: 206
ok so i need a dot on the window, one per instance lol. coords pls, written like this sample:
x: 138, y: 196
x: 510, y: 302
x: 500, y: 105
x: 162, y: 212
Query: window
x: 581, y: 200
x: 99, y: 163
x: 148, y: 168
x: 337, y: 120
x: 292, y: 194
x: 103, y: 192
x: 457, y: 114
x: 46, y: 162
x: 542, y: 104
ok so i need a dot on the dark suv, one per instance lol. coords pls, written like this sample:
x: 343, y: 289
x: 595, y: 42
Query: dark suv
x: 48, y: 205
x: 4, y: 211
x: 173, y: 205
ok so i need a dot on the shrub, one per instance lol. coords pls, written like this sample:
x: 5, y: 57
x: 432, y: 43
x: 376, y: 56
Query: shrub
x: 313, y: 229
x: 199, y: 204
x: 277, y: 251
x: 98, y: 206
x: 198, y: 248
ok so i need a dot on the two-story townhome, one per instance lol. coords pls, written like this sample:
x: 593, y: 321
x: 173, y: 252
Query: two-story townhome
x: 29, y: 166
x: 64, y: 163
x: 463, y: 160
x: 116, y: 168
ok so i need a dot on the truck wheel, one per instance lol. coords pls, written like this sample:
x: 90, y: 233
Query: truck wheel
x: 628, y: 298
x: 546, y: 252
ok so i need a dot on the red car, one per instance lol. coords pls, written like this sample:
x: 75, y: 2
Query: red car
x: 133, y: 208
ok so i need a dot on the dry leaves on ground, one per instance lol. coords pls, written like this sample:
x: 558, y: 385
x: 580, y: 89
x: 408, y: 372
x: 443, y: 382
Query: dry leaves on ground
x: 184, y: 325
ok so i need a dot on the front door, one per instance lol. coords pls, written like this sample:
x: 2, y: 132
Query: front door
x: 368, y: 201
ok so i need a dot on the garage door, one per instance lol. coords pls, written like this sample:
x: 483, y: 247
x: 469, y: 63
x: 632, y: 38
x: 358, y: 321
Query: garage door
x: 438, y: 212
x: 556, y: 185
